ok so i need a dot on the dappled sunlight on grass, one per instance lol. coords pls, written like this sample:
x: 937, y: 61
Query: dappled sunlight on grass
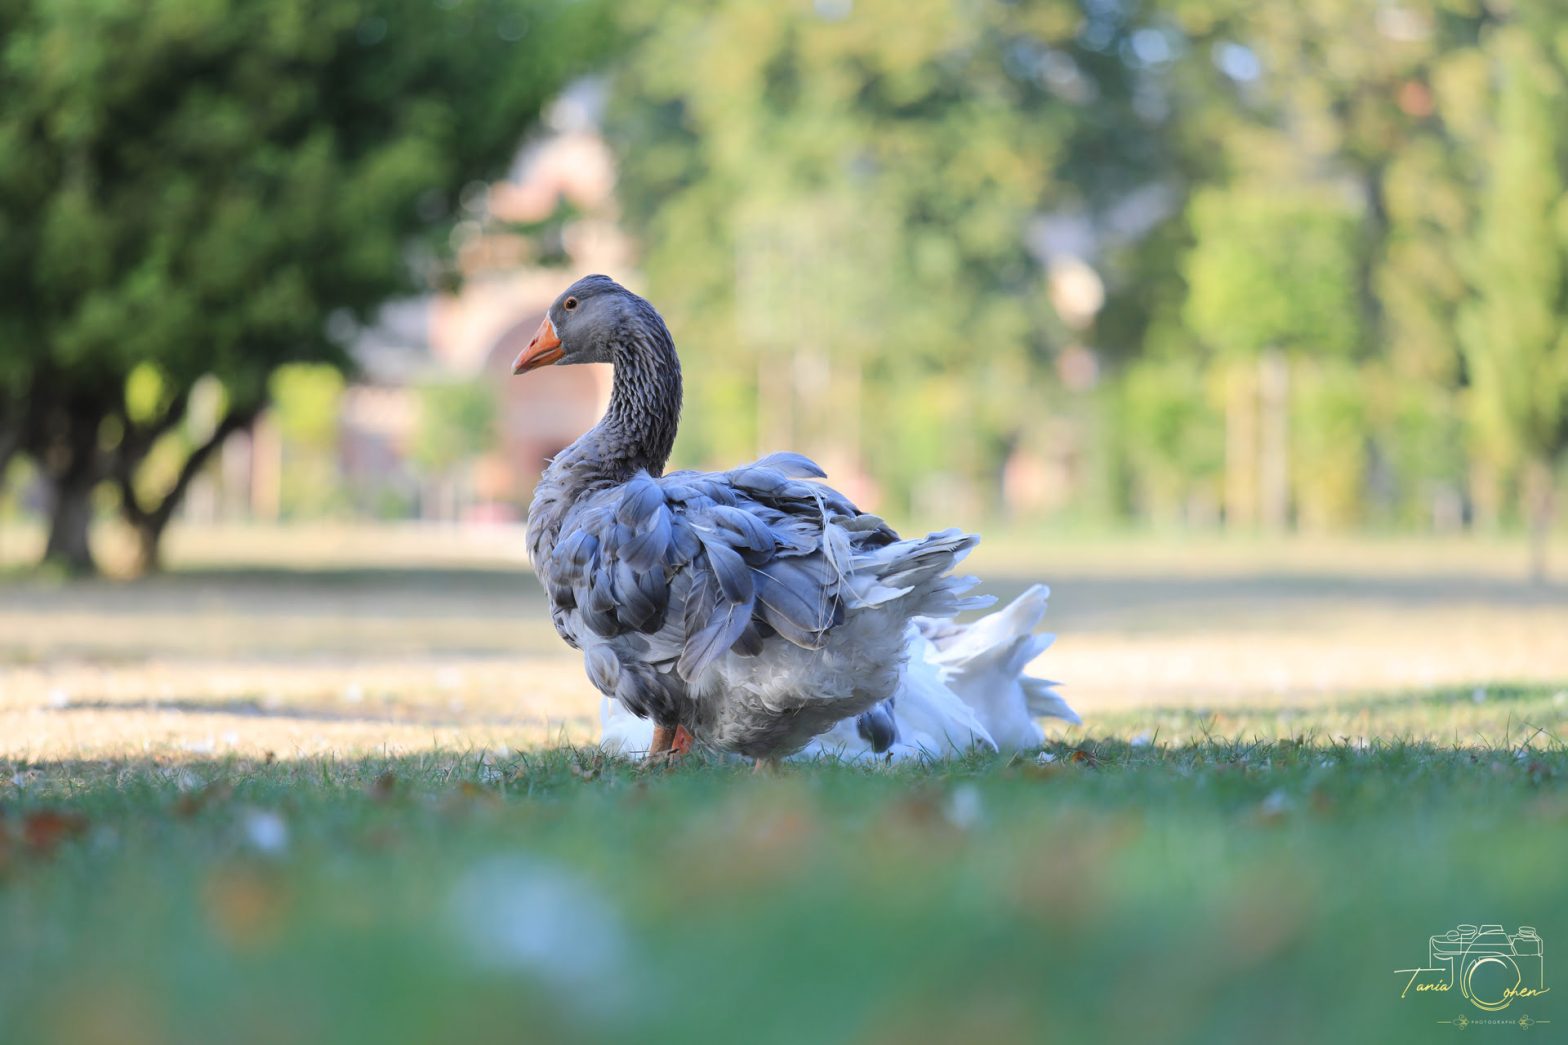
x: 273, y: 651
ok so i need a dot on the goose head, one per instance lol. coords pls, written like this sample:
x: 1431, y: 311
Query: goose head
x: 584, y: 325
x: 596, y: 320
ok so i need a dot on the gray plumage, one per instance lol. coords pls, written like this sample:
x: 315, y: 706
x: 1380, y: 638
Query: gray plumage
x: 753, y: 606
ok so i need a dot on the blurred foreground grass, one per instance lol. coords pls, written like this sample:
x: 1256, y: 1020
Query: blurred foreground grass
x: 1243, y: 889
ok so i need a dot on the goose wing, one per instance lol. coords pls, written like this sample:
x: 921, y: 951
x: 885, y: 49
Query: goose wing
x: 697, y: 564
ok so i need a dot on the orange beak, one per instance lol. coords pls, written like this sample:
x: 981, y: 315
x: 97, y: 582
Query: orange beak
x: 543, y: 350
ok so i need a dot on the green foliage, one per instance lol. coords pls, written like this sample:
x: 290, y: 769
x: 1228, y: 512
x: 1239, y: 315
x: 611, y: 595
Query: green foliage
x: 1273, y: 268
x: 1514, y: 336
x: 851, y: 215
x: 202, y: 183
x: 1418, y: 427
x: 198, y: 187
x: 306, y: 402
x: 854, y: 189
x: 1329, y: 451
x: 457, y: 422
x: 146, y: 394
x: 1175, y: 436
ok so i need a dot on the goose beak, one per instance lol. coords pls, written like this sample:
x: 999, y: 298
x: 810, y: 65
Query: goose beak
x: 543, y: 350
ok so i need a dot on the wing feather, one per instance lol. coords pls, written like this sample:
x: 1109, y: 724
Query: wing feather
x: 685, y: 568
x: 796, y: 466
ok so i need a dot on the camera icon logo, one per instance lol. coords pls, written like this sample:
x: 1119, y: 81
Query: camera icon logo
x: 1487, y: 965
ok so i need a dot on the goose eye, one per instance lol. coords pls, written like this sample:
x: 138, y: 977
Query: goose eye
x: 569, y: 304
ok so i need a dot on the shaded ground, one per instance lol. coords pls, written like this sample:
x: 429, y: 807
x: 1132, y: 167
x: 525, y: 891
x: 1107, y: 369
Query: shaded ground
x: 314, y: 648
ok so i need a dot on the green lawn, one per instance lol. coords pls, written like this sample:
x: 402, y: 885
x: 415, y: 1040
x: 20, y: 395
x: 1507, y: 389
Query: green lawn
x: 1234, y: 889
x: 281, y: 800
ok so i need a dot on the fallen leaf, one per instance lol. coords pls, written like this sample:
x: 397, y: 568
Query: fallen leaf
x: 467, y: 797
x: 1038, y: 770
x: 244, y: 905
x: 921, y: 808
x: 45, y: 829
x: 385, y: 786
x: 193, y: 802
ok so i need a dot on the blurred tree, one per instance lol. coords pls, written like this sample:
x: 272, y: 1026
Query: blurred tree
x: 457, y: 423
x: 193, y: 189
x: 307, y: 400
x: 1328, y: 442
x: 851, y: 194
x: 1176, y: 440
x: 1274, y: 267
x: 1428, y: 207
x: 1427, y: 195
x: 1514, y: 337
x: 1385, y: 96
x: 837, y: 188
x: 1376, y: 100
x: 1273, y: 272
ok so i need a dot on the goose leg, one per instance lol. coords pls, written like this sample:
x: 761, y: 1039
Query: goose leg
x: 765, y: 766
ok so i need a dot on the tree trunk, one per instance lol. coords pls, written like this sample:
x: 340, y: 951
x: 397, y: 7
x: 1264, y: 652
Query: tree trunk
x: 15, y: 415
x: 1274, y: 442
x: 1485, y: 496
x: 149, y: 544
x: 70, y: 522
x: 10, y: 443
x: 1241, y: 447
x: 1539, y: 509
x: 73, y: 466
x: 150, y: 523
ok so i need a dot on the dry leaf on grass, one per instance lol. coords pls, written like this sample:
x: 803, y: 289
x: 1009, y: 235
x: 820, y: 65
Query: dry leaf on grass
x: 384, y: 787
x: 45, y: 829
x: 193, y: 802
x: 244, y: 905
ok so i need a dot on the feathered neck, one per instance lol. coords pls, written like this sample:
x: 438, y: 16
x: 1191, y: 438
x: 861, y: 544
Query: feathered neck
x: 636, y: 433
x: 638, y: 430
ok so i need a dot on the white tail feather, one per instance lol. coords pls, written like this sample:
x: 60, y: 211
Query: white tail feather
x: 962, y: 688
x: 1044, y: 702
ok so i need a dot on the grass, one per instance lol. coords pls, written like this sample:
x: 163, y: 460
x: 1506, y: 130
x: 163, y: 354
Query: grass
x: 278, y: 801
x: 1213, y: 890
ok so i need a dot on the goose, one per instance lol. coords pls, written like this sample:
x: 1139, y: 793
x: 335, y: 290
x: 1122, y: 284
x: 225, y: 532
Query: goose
x: 746, y: 611
x: 963, y: 689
